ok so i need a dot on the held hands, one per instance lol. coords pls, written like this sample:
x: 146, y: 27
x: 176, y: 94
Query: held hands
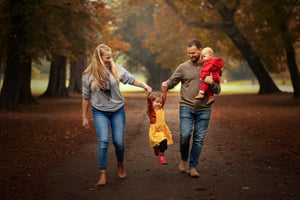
x: 208, y: 80
x: 148, y: 94
x: 147, y: 88
x: 164, y: 86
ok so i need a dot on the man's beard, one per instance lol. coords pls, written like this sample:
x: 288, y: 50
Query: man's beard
x: 195, y: 59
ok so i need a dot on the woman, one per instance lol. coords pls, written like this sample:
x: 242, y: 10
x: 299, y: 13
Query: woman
x: 100, y: 86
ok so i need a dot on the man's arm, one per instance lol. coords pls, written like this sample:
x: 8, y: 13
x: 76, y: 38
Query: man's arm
x: 173, y: 80
x: 214, y: 87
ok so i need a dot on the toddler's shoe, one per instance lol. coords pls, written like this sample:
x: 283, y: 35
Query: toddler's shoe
x: 156, y: 150
x: 162, y: 160
x: 199, y: 96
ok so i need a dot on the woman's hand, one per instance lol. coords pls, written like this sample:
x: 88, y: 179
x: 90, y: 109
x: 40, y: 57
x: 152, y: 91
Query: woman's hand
x: 85, y: 123
x: 147, y: 88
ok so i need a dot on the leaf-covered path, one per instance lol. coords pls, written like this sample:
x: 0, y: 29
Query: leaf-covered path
x: 242, y: 157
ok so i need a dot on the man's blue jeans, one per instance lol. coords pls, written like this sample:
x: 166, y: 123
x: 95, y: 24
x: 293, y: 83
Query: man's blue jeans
x: 192, y: 124
x: 104, y: 122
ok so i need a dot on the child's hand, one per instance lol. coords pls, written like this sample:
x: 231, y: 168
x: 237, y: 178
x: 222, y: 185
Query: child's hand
x: 164, y: 86
x: 148, y: 93
x: 147, y: 88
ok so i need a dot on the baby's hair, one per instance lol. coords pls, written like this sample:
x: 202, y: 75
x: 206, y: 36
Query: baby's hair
x: 208, y: 50
x: 155, y: 95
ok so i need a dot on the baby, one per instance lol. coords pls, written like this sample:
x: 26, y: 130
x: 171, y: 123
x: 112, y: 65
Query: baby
x: 212, y: 66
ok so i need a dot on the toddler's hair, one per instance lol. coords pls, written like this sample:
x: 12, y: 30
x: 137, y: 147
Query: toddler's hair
x: 155, y: 95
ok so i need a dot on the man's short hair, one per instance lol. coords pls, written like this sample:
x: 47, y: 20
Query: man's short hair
x: 195, y: 42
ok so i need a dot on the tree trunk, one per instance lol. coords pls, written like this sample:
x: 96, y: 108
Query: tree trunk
x: 16, y: 84
x: 25, y: 96
x: 265, y: 81
x: 290, y: 52
x: 57, y: 78
x: 293, y: 69
x: 266, y: 84
x: 76, y: 69
x: 12, y: 80
x: 156, y: 75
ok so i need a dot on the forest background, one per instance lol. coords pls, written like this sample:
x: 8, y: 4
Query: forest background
x: 45, y: 45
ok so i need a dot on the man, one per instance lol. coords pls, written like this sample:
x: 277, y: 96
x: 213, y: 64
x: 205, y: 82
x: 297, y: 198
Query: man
x: 194, y: 113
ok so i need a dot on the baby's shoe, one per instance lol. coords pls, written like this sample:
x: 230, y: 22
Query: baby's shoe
x: 210, y: 100
x: 199, y: 96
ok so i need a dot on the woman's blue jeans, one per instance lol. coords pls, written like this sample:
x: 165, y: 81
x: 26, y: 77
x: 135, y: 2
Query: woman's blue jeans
x: 104, y: 122
x: 193, y: 124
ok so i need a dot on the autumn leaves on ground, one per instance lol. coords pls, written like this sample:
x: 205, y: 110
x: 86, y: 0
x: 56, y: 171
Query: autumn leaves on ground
x: 41, y: 136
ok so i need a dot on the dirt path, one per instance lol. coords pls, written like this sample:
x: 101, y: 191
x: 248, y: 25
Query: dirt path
x: 233, y: 166
x: 248, y: 153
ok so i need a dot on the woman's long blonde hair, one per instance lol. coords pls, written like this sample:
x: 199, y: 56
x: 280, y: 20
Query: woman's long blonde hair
x: 98, y: 70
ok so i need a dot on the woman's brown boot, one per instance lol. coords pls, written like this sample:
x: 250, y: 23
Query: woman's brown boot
x: 121, y: 170
x: 102, y: 178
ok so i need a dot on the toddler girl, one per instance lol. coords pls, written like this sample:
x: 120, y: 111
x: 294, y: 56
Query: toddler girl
x: 160, y: 135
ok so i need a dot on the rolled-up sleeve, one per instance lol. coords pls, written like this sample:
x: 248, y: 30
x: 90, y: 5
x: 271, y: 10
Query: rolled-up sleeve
x: 86, y: 91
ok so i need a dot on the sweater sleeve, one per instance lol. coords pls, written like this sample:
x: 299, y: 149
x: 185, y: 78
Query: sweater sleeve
x: 150, y: 111
x: 86, y: 91
x: 175, y: 78
x: 125, y: 76
x: 164, y: 98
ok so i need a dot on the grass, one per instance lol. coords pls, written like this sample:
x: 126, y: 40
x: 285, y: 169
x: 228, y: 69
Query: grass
x: 233, y: 87
x: 39, y: 86
x: 247, y: 86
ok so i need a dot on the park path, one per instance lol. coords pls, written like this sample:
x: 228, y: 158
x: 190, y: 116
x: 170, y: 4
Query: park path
x: 232, y: 166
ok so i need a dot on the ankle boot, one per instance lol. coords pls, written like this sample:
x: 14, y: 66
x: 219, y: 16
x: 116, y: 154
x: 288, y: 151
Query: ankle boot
x: 193, y: 173
x: 182, y: 166
x: 121, y: 170
x: 199, y: 96
x: 102, y: 178
x: 210, y: 100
